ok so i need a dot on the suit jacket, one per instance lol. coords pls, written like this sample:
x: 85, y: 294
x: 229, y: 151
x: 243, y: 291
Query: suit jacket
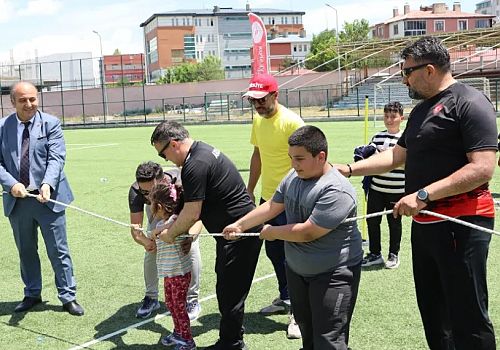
x: 47, y: 154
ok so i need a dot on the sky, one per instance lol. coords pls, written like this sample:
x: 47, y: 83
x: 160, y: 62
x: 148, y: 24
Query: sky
x: 31, y: 28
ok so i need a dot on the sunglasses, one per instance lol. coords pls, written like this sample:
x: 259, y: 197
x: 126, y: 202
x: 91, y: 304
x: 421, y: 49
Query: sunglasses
x: 261, y: 100
x: 160, y: 154
x: 405, y: 72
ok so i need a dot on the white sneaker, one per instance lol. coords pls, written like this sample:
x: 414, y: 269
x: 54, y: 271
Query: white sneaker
x: 392, y: 261
x: 278, y: 306
x: 293, y: 331
x: 194, y: 310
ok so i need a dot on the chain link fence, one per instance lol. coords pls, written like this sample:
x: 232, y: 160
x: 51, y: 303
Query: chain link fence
x: 73, y: 91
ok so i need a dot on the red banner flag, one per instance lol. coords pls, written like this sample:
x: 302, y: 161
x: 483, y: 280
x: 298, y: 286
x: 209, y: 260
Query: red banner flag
x: 259, y: 49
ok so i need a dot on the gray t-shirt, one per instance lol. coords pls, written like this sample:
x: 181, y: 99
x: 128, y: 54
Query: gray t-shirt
x: 327, y: 202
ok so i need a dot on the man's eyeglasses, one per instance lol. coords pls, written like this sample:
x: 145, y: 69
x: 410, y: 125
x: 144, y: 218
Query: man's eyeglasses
x: 405, y: 72
x: 163, y: 150
x: 260, y: 100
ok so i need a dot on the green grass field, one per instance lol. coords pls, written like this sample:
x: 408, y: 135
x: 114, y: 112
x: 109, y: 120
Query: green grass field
x: 108, y: 264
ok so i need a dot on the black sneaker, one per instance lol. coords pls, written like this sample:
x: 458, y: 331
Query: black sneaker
x: 372, y: 259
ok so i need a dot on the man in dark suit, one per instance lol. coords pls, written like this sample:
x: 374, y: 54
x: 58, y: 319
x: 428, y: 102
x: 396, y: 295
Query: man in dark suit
x: 32, y: 158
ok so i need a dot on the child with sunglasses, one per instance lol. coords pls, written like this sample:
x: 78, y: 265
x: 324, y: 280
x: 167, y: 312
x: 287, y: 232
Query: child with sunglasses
x: 173, y: 264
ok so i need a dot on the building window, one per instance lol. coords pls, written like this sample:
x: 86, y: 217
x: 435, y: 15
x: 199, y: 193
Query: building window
x: 305, y: 47
x: 415, y: 28
x: 462, y: 24
x: 439, y: 26
x: 294, y: 48
x: 236, y: 18
x: 237, y: 35
x: 273, y: 22
x: 286, y: 20
x: 173, y: 22
x: 189, y: 46
x: 395, y: 28
x: 482, y: 23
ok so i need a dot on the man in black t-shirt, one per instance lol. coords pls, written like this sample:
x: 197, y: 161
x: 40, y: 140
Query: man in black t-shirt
x: 215, y: 193
x: 449, y: 152
x: 147, y: 175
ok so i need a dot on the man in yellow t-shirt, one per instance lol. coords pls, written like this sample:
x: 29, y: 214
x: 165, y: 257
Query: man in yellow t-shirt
x: 270, y: 132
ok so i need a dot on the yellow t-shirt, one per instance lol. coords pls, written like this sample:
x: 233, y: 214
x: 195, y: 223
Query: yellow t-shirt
x: 271, y: 135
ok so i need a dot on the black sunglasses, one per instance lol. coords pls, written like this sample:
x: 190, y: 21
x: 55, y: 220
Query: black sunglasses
x: 260, y: 100
x: 405, y: 72
x: 163, y: 150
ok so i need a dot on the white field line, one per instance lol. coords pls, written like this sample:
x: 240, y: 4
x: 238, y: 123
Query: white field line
x: 156, y: 318
x: 92, y: 146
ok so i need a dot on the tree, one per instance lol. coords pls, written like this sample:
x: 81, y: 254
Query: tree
x: 117, y: 52
x: 210, y: 69
x: 322, y: 50
x: 356, y: 31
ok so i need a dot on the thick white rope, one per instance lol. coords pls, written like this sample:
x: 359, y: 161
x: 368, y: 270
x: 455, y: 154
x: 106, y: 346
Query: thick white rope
x: 253, y: 234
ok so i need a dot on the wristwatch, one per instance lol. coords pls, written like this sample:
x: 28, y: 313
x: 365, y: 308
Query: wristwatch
x: 423, y: 195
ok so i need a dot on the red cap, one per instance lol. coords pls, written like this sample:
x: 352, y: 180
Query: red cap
x: 261, y: 85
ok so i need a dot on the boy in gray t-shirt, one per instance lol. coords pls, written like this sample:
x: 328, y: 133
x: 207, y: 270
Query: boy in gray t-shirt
x: 323, y: 254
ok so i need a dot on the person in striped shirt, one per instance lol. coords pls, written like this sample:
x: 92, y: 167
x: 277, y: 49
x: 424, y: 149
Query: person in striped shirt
x: 386, y: 190
x: 173, y: 263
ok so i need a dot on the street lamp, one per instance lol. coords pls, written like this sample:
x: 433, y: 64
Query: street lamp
x: 103, y: 81
x: 337, y: 39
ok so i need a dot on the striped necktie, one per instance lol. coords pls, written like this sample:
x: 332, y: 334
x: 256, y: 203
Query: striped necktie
x: 24, y: 168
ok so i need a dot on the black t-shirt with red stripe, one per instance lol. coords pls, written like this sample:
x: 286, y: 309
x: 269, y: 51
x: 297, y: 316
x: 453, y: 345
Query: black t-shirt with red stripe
x: 441, y: 131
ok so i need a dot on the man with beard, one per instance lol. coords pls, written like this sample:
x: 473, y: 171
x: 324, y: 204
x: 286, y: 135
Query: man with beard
x: 448, y: 149
x: 271, y: 129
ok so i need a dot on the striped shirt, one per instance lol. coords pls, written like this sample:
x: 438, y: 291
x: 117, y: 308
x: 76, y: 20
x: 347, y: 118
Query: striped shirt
x: 394, y: 180
x: 170, y: 261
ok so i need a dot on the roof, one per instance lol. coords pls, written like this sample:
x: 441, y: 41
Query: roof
x: 429, y: 15
x: 222, y: 11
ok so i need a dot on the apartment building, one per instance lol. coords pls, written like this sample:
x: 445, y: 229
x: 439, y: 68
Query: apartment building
x: 180, y: 36
x: 489, y: 7
x: 128, y: 68
x: 433, y: 19
x: 291, y: 48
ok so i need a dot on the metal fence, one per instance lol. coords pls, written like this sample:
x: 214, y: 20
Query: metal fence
x: 73, y: 91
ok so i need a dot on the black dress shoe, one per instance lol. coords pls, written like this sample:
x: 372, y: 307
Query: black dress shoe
x: 27, y: 303
x: 73, y: 308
